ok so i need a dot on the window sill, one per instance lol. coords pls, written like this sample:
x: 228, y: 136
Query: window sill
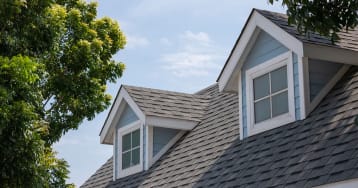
x: 271, y: 124
x: 129, y: 171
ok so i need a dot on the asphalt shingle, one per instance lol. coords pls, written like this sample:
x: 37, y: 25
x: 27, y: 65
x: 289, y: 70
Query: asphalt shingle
x: 160, y: 103
x: 348, y: 39
x: 318, y: 150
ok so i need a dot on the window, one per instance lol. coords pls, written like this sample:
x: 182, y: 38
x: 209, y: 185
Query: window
x: 269, y: 94
x: 130, y: 149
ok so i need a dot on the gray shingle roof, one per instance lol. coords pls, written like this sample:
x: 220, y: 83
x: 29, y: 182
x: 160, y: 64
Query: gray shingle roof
x: 102, y: 177
x: 321, y: 149
x: 348, y: 39
x: 155, y: 102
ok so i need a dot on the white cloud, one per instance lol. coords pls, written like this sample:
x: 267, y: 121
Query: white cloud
x: 185, y: 64
x: 136, y: 41
x: 200, y: 37
x: 196, y: 56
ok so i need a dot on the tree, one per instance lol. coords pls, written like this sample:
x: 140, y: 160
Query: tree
x: 325, y: 17
x: 55, y: 61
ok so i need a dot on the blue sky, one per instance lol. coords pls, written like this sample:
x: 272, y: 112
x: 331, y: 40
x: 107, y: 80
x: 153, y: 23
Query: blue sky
x: 178, y: 45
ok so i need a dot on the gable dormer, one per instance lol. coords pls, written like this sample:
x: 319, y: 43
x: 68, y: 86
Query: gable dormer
x: 280, y: 75
x: 144, y: 123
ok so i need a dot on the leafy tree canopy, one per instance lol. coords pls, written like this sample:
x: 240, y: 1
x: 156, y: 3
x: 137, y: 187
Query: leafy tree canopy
x: 326, y: 17
x: 55, y: 61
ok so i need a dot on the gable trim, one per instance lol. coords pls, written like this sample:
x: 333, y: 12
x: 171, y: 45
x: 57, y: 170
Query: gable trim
x: 236, y: 60
x: 109, y: 127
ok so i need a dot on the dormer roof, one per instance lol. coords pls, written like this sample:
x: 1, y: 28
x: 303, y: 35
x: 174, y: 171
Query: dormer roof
x: 348, y: 39
x: 162, y: 108
x: 168, y: 104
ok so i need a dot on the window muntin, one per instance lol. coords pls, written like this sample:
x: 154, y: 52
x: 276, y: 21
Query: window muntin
x: 270, y: 94
x: 131, y: 149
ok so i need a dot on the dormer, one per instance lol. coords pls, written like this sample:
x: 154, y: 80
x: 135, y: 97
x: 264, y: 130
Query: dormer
x: 144, y: 123
x: 279, y: 75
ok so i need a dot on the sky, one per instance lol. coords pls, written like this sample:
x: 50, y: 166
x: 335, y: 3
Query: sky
x: 177, y: 45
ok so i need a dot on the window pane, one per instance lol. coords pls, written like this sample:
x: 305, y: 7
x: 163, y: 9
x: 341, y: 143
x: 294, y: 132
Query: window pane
x: 279, y: 79
x: 262, y: 110
x: 135, y: 156
x: 261, y: 86
x: 135, y: 138
x: 279, y: 104
x: 126, y: 142
x: 126, y: 160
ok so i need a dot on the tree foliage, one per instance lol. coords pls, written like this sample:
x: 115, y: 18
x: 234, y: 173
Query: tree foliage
x: 55, y: 61
x: 326, y: 17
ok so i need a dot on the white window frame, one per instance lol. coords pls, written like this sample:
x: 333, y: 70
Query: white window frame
x: 257, y: 71
x: 121, y: 132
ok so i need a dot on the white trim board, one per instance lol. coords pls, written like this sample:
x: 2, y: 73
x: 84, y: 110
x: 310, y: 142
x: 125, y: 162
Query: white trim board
x: 236, y: 60
x: 304, y: 87
x: 301, y: 86
x: 170, y: 123
x: 352, y: 183
x: 241, y: 122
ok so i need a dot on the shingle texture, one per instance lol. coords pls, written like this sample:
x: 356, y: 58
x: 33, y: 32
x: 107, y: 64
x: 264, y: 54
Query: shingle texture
x: 102, y: 177
x: 348, y: 39
x: 321, y: 149
x: 160, y: 103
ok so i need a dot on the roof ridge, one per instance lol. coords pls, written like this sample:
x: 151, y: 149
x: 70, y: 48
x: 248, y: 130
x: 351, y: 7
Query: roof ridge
x: 169, y: 104
x: 159, y: 90
x: 268, y: 11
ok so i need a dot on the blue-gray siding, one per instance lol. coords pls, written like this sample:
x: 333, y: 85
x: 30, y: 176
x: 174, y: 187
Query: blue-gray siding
x: 128, y: 116
x: 161, y: 137
x: 320, y: 73
x: 264, y: 49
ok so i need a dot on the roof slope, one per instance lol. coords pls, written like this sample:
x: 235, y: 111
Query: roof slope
x: 348, y: 39
x: 160, y: 103
x: 102, y: 177
x: 318, y: 150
